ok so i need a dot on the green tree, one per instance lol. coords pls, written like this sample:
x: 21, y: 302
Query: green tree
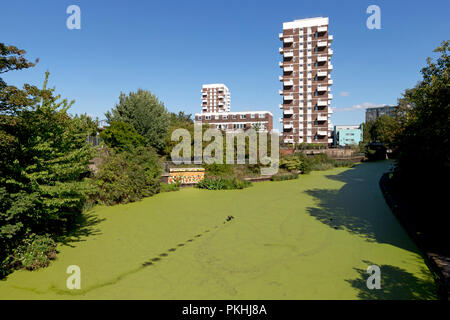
x: 121, y: 136
x: 425, y: 113
x: 384, y: 130
x: 43, y: 160
x: 145, y: 113
x: 423, y: 147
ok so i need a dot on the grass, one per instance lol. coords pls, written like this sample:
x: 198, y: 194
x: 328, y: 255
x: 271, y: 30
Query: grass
x: 309, y: 238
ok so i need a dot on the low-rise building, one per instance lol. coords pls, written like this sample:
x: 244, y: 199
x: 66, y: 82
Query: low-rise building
x: 258, y: 120
x: 347, y: 135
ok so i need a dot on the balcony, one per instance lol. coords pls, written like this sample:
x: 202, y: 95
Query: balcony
x: 321, y: 117
x: 322, y: 103
x: 330, y: 82
x: 204, y: 100
x: 322, y: 59
x: 221, y: 97
x: 330, y: 38
x: 288, y: 140
x: 321, y: 44
x: 288, y: 69
x: 330, y: 52
x: 322, y: 73
x: 330, y: 96
x: 204, y: 94
x: 330, y: 67
x: 288, y: 40
x: 322, y: 132
x: 280, y: 64
x: 288, y: 126
x: 289, y: 97
x: 289, y: 111
x: 288, y: 83
x: 280, y: 50
x: 330, y: 111
x: 280, y: 106
x: 280, y: 92
x: 220, y: 90
x: 322, y: 29
x: 321, y: 88
x: 280, y: 35
x: 289, y: 54
x: 280, y: 78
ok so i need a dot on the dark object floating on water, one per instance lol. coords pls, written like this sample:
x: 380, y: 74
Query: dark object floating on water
x: 229, y: 218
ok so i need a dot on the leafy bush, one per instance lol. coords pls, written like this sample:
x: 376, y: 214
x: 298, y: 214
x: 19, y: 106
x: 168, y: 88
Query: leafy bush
x: 284, y: 176
x: 121, y: 136
x: 218, y: 183
x: 128, y: 176
x: 290, y: 163
x: 35, y: 252
x: 218, y: 169
x: 165, y: 187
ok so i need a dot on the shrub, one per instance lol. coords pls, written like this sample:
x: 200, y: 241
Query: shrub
x: 35, y: 252
x: 284, y: 176
x: 128, y: 176
x: 218, y: 169
x: 290, y: 163
x: 121, y: 136
x: 218, y: 183
x: 165, y: 187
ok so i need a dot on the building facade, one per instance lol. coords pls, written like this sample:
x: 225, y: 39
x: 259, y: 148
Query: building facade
x: 215, y: 98
x: 347, y: 135
x: 373, y: 113
x: 258, y: 120
x: 306, y: 80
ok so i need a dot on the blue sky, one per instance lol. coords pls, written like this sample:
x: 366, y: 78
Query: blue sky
x: 173, y: 47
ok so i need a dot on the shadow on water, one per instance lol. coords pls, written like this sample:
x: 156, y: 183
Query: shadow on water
x: 396, y: 284
x: 82, y: 226
x: 359, y: 207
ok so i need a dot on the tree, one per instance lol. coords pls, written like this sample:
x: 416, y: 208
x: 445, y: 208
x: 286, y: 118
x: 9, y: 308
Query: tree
x: 423, y: 147
x: 121, y: 136
x: 43, y: 160
x: 384, y: 130
x: 145, y: 113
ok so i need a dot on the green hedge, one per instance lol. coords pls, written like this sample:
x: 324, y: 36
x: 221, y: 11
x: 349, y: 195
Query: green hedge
x: 219, y: 183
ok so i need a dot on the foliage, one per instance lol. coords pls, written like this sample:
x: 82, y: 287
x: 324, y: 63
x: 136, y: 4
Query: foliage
x: 121, y: 136
x: 219, y: 183
x: 423, y: 147
x: 291, y: 162
x: 43, y: 162
x: 145, y: 113
x: 384, y: 130
x: 219, y: 169
x: 33, y: 253
x: 165, y: 187
x: 128, y: 176
x: 284, y: 176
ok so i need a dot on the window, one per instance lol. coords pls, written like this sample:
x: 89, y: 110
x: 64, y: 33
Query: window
x: 261, y: 115
x: 216, y: 117
x: 234, y: 116
x: 224, y: 117
x: 207, y: 117
x: 243, y: 116
x: 199, y: 118
x: 253, y: 116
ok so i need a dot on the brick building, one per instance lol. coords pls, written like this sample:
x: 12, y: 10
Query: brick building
x: 306, y: 81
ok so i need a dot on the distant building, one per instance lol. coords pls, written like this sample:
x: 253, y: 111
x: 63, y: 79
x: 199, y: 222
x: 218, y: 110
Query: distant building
x: 215, y: 98
x: 373, y: 113
x: 216, y: 112
x: 258, y: 120
x: 347, y: 135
